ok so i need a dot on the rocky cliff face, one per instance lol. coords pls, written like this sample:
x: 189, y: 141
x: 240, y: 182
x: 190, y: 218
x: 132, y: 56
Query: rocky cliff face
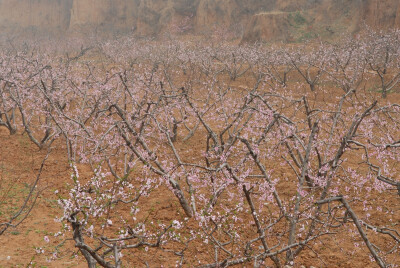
x: 252, y: 20
x: 379, y: 13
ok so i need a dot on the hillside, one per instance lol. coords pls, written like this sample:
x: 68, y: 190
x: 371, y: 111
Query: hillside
x: 251, y: 20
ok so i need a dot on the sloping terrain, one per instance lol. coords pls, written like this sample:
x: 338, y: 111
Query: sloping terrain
x: 250, y: 20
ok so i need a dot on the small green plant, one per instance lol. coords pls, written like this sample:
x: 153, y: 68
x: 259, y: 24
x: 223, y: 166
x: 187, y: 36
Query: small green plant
x: 297, y: 19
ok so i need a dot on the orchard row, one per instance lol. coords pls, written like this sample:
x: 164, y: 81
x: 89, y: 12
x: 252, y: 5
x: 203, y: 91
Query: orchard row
x: 267, y: 150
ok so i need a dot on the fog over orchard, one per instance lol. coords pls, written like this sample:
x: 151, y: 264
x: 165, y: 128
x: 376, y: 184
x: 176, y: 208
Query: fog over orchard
x: 252, y: 20
x: 191, y: 134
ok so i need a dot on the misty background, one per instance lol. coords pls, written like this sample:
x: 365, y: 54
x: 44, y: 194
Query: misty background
x: 245, y: 20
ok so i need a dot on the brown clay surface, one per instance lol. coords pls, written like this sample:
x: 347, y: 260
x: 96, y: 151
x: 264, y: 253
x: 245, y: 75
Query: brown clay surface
x: 19, y: 164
